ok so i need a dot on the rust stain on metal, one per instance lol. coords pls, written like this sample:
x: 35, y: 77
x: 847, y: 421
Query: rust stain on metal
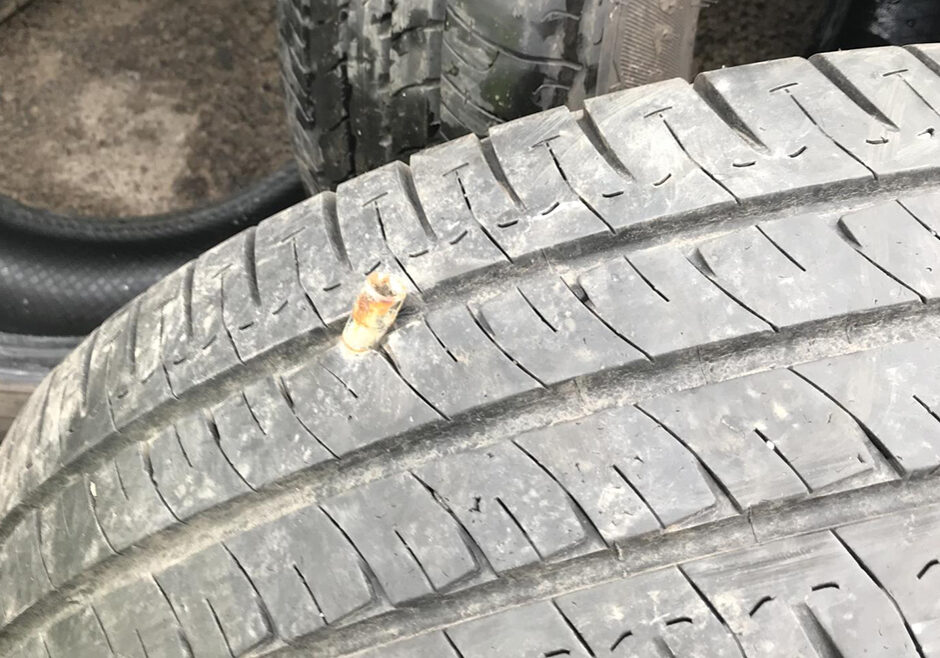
x: 374, y: 312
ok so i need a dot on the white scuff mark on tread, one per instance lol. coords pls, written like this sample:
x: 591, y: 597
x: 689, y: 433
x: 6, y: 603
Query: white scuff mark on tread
x: 93, y: 489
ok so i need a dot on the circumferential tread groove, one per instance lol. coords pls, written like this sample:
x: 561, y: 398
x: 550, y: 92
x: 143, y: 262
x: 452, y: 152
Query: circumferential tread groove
x: 637, y: 277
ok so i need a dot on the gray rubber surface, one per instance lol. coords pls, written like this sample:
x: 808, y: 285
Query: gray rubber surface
x: 666, y: 384
x: 374, y: 81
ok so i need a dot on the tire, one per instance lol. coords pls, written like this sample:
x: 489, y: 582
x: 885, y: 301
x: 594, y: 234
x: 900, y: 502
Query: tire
x: 898, y: 22
x: 666, y: 384
x: 24, y: 361
x: 372, y: 82
x: 61, y: 275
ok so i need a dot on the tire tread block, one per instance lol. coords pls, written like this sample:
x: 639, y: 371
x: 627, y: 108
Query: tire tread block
x: 411, y: 544
x: 262, y: 437
x: 627, y: 473
x: 790, y: 596
x: 552, y: 334
x: 900, y: 96
x: 768, y: 436
x: 659, y: 301
x: 346, y: 397
x: 798, y: 270
x: 306, y: 571
x: 23, y: 577
x: 512, y: 509
x: 892, y: 392
x: 215, y: 603
x: 905, y: 565
x: 449, y: 358
x: 898, y: 243
x: 190, y: 470
x: 127, y: 503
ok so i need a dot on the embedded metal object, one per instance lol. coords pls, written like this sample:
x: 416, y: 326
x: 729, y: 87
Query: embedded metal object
x: 375, y: 310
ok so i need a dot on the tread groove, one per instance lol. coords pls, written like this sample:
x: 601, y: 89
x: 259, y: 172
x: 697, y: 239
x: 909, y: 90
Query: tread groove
x: 829, y: 136
x: 846, y: 233
x: 104, y: 633
x: 918, y: 219
x: 884, y: 590
x: 519, y: 526
x: 217, y: 440
x: 777, y: 246
x: 262, y: 606
x: 589, y: 305
x: 874, y: 441
x: 590, y: 130
x: 303, y: 580
x: 698, y: 262
x: 637, y: 493
x: 844, y: 85
x: 770, y: 444
x: 705, y: 467
x: 705, y: 171
x: 250, y: 266
x: 592, y: 531
x: 574, y: 629
x: 391, y: 361
x: 488, y: 332
x: 496, y: 168
x: 218, y: 623
x: 712, y: 609
x: 179, y: 623
x: 479, y: 557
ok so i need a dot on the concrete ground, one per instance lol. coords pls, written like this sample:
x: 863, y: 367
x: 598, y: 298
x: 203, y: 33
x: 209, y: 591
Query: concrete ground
x: 138, y: 106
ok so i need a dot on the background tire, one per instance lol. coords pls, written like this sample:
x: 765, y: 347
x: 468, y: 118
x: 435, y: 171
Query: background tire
x: 881, y: 22
x: 668, y: 376
x: 375, y: 81
x: 61, y: 275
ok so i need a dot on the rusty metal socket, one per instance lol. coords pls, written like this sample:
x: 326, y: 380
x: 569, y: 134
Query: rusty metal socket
x: 374, y: 312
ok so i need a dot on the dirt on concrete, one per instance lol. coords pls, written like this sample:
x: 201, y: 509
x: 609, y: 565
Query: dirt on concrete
x: 125, y: 107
